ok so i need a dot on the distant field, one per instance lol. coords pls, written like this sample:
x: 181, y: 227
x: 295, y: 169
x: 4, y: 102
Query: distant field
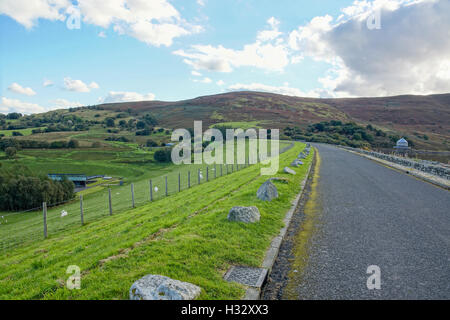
x: 185, y: 236
x: 242, y: 125
x: 25, y: 132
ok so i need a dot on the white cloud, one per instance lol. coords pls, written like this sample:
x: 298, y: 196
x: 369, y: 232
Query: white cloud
x: 268, y: 53
x: 124, y: 96
x: 408, y: 55
x: 94, y: 85
x: 204, y: 80
x: 272, y: 33
x: 220, y: 83
x: 196, y: 73
x: 155, y: 22
x: 78, y: 85
x: 17, y: 88
x: 28, y: 12
x: 63, y: 103
x: 15, y: 105
x: 47, y: 83
x: 102, y: 34
x: 201, y: 3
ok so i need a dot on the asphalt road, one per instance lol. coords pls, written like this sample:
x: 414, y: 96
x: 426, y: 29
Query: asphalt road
x: 373, y: 215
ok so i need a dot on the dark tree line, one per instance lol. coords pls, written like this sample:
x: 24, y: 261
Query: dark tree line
x: 33, y: 144
x: 21, y: 189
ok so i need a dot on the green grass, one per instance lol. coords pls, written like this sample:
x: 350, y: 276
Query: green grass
x: 25, y: 132
x: 185, y: 236
x: 241, y: 124
x: 27, y: 227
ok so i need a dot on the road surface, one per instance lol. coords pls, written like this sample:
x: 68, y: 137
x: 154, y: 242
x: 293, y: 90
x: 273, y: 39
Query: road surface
x: 368, y: 214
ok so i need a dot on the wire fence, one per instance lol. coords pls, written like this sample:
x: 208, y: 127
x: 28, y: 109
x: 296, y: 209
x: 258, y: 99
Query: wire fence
x: 35, y: 224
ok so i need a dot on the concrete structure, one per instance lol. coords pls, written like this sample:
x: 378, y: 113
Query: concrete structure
x: 80, y: 180
x: 402, y: 146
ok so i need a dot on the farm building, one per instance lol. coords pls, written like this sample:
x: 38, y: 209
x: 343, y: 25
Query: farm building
x: 80, y: 180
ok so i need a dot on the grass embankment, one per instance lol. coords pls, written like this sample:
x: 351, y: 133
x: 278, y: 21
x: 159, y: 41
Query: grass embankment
x: 185, y: 236
x: 22, y: 228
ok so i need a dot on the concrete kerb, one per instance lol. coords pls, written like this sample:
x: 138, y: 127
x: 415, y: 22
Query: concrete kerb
x: 272, y: 253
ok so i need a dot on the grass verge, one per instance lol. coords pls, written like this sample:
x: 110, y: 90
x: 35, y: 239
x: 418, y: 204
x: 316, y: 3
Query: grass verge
x: 185, y: 236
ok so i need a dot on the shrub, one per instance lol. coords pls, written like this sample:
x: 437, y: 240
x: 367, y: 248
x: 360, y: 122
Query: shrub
x: 110, y: 122
x: 73, y: 144
x: 151, y: 143
x: 11, y: 152
x: 163, y: 155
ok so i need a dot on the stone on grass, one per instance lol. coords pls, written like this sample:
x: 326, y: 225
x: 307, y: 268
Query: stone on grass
x: 289, y: 170
x: 244, y: 214
x: 156, y: 287
x: 267, y: 191
x: 277, y: 179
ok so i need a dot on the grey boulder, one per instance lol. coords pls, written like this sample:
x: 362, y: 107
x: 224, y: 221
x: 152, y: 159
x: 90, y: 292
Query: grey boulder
x: 244, y: 214
x: 267, y: 191
x: 289, y: 170
x: 296, y: 163
x: 156, y: 287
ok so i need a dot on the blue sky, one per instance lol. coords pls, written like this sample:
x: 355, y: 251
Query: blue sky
x: 128, y: 50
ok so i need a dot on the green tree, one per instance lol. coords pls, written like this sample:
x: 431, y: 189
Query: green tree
x: 163, y: 155
x: 110, y: 122
x: 11, y: 152
x: 73, y: 144
x: 151, y: 143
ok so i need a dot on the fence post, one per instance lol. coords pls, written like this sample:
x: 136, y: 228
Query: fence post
x: 189, y: 179
x: 44, y: 211
x: 151, y: 190
x: 110, y: 202
x: 221, y: 170
x: 81, y: 209
x: 198, y: 176
x: 166, y: 188
x: 215, y: 171
x: 207, y: 173
x: 179, y: 181
x: 226, y: 166
x: 132, y: 194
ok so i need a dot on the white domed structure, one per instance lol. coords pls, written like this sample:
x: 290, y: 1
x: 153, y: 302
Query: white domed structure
x: 402, y: 145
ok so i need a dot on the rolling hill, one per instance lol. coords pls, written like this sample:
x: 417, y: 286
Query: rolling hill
x: 414, y: 116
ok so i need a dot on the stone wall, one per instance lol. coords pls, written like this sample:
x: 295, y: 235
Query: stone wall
x: 429, y: 167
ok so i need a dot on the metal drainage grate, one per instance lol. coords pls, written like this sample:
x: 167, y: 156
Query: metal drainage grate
x: 252, y: 277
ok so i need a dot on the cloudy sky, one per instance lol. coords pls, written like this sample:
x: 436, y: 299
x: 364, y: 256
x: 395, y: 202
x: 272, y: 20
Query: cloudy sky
x: 62, y: 53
